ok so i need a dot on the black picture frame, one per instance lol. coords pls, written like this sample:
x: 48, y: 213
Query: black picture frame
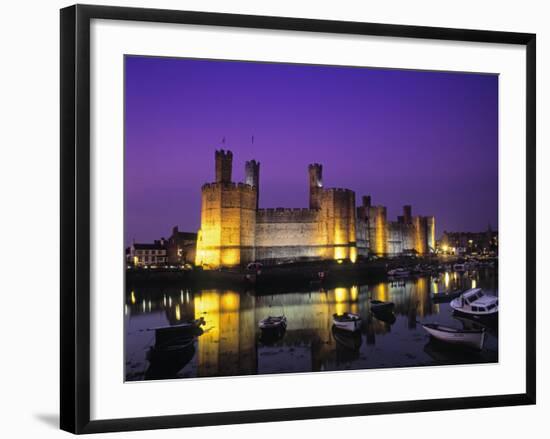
x: 75, y: 217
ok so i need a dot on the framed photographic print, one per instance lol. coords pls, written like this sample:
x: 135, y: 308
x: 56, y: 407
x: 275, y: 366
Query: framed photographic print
x: 286, y: 218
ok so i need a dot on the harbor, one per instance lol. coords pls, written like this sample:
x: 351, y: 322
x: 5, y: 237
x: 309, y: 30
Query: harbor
x: 228, y: 340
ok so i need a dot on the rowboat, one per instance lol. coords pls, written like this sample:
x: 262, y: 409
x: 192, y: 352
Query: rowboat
x: 473, y: 338
x: 475, y: 302
x: 398, y: 272
x: 273, y: 323
x: 168, y: 337
x: 378, y: 306
x: 347, y: 321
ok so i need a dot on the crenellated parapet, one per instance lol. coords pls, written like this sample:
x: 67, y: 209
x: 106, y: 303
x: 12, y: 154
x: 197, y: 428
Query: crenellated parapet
x: 228, y: 186
x: 288, y: 215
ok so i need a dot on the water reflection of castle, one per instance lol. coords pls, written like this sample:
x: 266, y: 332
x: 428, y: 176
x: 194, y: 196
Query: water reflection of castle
x: 234, y: 230
x: 230, y: 344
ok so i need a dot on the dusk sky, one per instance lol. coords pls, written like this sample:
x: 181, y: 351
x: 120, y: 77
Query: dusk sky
x: 429, y: 139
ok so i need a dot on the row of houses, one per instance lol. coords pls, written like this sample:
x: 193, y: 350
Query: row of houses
x: 178, y: 249
x: 469, y: 243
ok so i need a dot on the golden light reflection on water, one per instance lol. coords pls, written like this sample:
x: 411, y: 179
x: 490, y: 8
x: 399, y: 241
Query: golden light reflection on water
x: 229, y: 344
x: 354, y: 293
x: 381, y: 292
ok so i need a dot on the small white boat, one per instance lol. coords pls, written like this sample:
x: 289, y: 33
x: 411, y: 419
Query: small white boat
x: 475, y: 302
x: 459, y: 267
x: 465, y: 337
x: 347, y: 321
x: 398, y: 272
x: 272, y: 323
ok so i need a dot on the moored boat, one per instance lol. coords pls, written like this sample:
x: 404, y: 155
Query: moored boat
x: 398, y: 272
x: 273, y: 324
x: 475, y: 302
x: 473, y: 338
x: 381, y: 307
x: 347, y: 321
x: 177, y: 335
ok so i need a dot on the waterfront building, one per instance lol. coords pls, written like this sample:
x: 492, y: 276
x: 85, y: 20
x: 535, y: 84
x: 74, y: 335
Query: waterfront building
x: 181, y: 247
x: 141, y: 254
x: 473, y: 243
x: 235, y: 231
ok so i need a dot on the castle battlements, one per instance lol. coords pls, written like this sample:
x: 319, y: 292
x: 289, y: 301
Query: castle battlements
x: 339, y: 189
x: 284, y: 214
x: 230, y: 185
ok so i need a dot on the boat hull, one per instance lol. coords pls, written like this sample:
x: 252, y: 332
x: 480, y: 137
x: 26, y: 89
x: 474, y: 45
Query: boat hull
x: 455, y: 305
x: 350, y: 326
x: 473, y: 339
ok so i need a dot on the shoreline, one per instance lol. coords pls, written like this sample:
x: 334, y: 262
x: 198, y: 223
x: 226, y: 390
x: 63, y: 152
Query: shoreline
x: 300, y: 274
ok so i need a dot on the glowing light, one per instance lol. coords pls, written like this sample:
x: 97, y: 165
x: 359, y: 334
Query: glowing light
x: 353, y: 254
x: 340, y: 295
x: 143, y: 305
x: 133, y: 298
x: 445, y: 248
x: 341, y: 298
x: 474, y: 283
x: 136, y: 260
x: 150, y: 305
x: 181, y: 296
x: 230, y: 301
x: 381, y: 292
x: 125, y: 309
x: 164, y: 300
x: 354, y: 292
x: 230, y: 257
x: 339, y: 253
x: 178, y: 313
x: 170, y: 301
x: 447, y: 280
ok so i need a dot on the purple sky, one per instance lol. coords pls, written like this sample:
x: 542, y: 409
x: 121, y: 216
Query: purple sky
x: 429, y: 139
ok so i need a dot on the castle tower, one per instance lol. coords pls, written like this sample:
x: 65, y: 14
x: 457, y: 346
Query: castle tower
x: 315, y: 185
x: 252, y: 177
x: 378, y: 230
x: 420, y: 234
x: 407, y: 214
x: 224, y: 164
x: 228, y: 219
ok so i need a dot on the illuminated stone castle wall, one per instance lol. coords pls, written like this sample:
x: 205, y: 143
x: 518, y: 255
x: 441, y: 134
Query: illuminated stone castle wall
x: 228, y: 219
x: 234, y: 231
x: 409, y: 234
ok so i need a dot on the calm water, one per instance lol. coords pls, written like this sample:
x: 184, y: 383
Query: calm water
x: 231, y: 342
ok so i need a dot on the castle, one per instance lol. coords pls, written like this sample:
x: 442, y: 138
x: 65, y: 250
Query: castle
x: 235, y: 231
